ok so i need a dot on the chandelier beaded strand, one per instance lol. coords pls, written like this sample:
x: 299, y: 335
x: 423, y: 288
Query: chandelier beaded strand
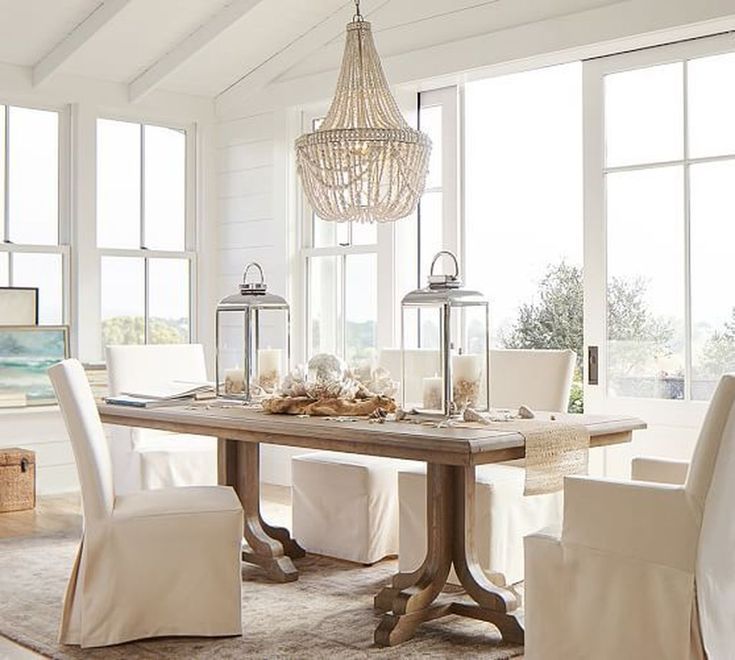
x: 364, y: 163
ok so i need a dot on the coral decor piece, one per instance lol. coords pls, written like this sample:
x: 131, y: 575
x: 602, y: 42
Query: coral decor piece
x: 326, y: 387
x: 328, y: 407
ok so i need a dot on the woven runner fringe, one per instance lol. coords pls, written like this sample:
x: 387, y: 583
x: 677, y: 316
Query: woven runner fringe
x: 554, y: 450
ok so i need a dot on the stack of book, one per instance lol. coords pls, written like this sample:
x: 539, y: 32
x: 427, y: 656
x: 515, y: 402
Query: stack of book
x: 12, y: 400
x: 164, y: 394
x: 97, y: 377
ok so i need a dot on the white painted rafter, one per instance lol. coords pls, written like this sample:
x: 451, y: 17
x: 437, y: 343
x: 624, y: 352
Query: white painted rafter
x: 301, y: 47
x: 80, y: 35
x: 184, y: 50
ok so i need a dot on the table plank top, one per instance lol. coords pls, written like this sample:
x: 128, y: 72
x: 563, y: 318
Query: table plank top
x: 454, y: 445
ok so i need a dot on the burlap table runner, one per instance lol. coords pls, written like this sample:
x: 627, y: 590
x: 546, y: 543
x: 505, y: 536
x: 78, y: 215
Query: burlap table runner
x: 554, y: 450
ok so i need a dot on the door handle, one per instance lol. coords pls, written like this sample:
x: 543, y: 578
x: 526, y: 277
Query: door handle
x: 593, y: 365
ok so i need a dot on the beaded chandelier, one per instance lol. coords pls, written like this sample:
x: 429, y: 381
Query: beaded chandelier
x: 364, y: 163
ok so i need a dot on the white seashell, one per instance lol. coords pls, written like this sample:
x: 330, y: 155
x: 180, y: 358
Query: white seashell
x: 524, y: 412
x: 470, y: 415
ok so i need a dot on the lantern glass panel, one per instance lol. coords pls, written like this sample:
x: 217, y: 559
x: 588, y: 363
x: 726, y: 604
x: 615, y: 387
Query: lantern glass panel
x: 270, y: 349
x: 470, y: 357
x: 231, y: 353
x: 252, y: 362
x: 422, y: 383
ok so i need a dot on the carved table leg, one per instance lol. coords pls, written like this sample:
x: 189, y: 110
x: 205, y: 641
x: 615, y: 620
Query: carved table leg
x: 411, y: 598
x: 269, y: 547
x: 495, y: 603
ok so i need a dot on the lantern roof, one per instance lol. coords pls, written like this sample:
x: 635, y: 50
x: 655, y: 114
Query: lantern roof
x: 444, y: 289
x: 252, y: 295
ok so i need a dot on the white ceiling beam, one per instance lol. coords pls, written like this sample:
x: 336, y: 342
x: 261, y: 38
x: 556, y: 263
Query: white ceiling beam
x: 184, y: 50
x: 80, y: 35
x: 321, y: 34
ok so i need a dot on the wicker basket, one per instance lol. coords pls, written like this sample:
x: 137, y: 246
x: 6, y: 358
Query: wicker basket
x: 17, y: 480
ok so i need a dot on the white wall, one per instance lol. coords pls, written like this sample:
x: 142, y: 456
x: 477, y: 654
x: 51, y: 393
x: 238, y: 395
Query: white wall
x: 257, y: 209
x: 252, y: 165
x: 42, y: 430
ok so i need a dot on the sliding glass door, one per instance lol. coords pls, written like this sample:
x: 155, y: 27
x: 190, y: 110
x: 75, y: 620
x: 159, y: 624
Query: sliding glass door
x: 659, y: 231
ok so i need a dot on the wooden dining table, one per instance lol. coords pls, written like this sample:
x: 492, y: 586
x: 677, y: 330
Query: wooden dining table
x: 451, y: 453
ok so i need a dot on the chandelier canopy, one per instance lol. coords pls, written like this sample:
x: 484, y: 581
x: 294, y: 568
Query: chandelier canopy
x: 364, y: 163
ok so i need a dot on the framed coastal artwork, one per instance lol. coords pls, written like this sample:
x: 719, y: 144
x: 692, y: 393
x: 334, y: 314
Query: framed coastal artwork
x: 18, y: 305
x: 26, y: 352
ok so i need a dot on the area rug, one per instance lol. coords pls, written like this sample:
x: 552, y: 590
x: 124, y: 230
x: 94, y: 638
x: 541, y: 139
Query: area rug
x: 326, y: 613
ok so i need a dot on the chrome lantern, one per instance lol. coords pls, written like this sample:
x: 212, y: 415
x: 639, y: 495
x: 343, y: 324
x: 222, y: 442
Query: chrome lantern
x: 253, y: 338
x: 445, y: 331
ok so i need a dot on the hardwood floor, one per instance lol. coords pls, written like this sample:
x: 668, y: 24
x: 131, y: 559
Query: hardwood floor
x: 60, y: 513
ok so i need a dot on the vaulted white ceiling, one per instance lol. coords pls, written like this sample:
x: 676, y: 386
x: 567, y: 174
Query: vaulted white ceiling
x: 211, y: 47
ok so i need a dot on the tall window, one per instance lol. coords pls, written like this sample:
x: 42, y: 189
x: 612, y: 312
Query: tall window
x: 147, y: 260
x: 434, y: 226
x: 341, y: 262
x: 31, y: 235
x: 669, y: 166
x: 524, y: 207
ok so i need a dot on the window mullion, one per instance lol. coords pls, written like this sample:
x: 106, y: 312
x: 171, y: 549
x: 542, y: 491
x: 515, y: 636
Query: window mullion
x: 146, y: 300
x: 142, y: 187
x: 342, y: 314
x: 6, y: 180
x: 687, y: 242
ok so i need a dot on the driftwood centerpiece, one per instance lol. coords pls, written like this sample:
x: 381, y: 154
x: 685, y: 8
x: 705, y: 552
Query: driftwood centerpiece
x: 328, y: 407
x: 327, y: 388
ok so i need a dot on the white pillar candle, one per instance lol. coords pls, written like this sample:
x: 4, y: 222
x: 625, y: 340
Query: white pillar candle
x: 432, y: 393
x: 269, y: 368
x: 234, y: 381
x: 466, y: 379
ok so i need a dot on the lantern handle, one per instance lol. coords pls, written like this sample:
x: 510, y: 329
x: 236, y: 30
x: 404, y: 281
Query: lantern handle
x: 253, y: 288
x: 253, y: 264
x: 448, y: 254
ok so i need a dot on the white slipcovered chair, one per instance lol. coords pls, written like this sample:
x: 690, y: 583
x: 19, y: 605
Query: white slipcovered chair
x: 144, y: 459
x: 152, y: 563
x: 642, y: 569
x: 346, y: 505
x: 540, y: 379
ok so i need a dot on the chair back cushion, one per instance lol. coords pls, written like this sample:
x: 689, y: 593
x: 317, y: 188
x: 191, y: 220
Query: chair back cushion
x: 539, y: 379
x: 88, y: 441
x: 420, y: 363
x: 711, y: 485
x: 133, y: 368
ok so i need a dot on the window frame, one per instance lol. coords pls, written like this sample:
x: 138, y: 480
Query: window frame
x: 63, y: 244
x: 189, y: 252
x: 671, y: 412
x: 383, y: 249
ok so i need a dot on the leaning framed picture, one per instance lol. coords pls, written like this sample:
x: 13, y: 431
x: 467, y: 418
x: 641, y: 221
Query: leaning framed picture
x: 18, y: 305
x: 26, y: 352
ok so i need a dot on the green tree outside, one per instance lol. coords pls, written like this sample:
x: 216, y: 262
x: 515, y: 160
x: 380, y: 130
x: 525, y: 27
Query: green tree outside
x: 131, y: 330
x: 555, y: 321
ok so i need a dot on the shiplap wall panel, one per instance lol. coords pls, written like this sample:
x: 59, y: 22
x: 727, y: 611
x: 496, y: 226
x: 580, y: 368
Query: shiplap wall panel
x: 251, y: 230
x: 246, y: 207
x: 246, y: 156
x: 253, y: 181
x: 43, y: 432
